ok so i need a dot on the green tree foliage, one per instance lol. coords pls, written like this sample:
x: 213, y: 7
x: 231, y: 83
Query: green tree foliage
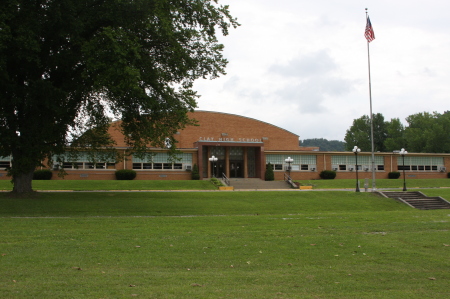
x: 360, y: 133
x: 395, y: 138
x: 428, y: 132
x: 66, y: 65
x: 425, y: 133
x: 324, y: 144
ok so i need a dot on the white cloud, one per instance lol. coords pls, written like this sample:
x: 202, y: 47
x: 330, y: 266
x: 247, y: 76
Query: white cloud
x: 302, y: 65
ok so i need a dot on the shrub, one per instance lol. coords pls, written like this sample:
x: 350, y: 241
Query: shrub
x: 195, y: 174
x: 448, y: 175
x: 216, y: 182
x: 42, y: 174
x: 269, y: 176
x: 393, y: 175
x: 125, y: 174
x: 327, y: 174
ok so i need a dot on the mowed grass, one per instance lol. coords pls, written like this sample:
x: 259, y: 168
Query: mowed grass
x: 107, y: 185
x: 84, y: 185
x: 380, y: 183
x: 330, y: 244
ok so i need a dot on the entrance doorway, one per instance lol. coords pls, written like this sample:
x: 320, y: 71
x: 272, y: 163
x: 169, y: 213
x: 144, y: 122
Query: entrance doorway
x: 236, y: 169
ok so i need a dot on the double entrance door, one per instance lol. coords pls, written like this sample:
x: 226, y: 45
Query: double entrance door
x: 233, y: 161
x: 236, y: 168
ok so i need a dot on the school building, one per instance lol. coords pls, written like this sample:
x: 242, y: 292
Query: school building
x: 243, y: 147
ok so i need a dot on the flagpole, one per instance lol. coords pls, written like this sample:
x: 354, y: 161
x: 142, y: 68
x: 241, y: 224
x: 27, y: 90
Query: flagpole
x: 374, y: 186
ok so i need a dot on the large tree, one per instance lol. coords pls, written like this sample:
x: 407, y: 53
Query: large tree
x: 395, y: 139
x: 428, y: 132
x: 66, y: 66
x: 359, y: 133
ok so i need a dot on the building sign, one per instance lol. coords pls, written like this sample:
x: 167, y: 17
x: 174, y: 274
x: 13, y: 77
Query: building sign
x: 222, y: 139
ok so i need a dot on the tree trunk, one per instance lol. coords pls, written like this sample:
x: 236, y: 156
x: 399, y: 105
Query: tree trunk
x: 23, y: 182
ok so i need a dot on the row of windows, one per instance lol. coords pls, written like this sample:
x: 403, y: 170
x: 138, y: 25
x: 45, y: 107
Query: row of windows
x: 88, y: 165
x: 175, y: 166
x: 350, y: 167
x: 304, y: 167
x: 344, y: 167
x: 422, y: 167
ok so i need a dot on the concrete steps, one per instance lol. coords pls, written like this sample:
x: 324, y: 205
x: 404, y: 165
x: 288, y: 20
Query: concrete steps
x: 257, y: 184
x: 418, y: 200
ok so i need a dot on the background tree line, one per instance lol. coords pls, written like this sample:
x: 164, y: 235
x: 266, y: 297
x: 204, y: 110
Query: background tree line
x: 324, y: 144
x: 425, y: 133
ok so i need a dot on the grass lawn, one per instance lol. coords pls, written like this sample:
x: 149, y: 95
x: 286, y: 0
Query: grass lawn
x: 330, y: 244
x: 381, y: 183
x: 82, y: 185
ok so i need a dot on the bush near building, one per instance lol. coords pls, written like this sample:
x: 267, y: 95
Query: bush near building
x: 393, y: 175
x: 269, y: 175
x: 195, y: 173
x: 125, y: 174
x: 42, y: 174
x: 327, y: 175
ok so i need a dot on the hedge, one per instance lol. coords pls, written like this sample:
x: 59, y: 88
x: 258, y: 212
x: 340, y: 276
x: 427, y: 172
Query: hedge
x: 125, y: 174
x: 42, y: 174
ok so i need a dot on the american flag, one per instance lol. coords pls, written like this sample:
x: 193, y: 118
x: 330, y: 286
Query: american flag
x: 369, y: 34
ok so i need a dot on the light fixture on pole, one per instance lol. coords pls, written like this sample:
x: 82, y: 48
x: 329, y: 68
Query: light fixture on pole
x: 356, y: 150
x: 289, y: 160
x: 213, y: 160
x: 403, y: 153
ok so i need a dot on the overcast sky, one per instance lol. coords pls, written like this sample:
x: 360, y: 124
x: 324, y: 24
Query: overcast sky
x: 302, y: 65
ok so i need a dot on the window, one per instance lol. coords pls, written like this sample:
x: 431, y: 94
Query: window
x: 163, y: 161
x: 5, y: 162
x: 88, y: 165
x: 300, y: 162
x: 84, y: 160
x: 346, y: 163
x: 420, y: 163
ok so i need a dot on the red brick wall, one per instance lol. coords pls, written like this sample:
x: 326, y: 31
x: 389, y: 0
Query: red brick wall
x: 238, y: 129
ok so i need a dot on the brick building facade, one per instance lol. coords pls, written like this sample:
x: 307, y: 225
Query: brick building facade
x: 243, y: 147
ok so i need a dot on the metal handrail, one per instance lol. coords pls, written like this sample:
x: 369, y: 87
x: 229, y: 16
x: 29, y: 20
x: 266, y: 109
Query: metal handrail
x: 225, y: 179
x: 287, y: 178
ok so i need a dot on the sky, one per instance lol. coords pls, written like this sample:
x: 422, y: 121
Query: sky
x: 303, y: 65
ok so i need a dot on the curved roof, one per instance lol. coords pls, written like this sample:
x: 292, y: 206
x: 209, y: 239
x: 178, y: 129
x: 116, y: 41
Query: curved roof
x: 250, y: 118
x: 225, y: 127
x: 219, y: 126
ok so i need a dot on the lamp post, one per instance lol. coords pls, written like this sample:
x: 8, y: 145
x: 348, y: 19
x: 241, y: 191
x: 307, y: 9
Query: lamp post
x: 213, y: 160
x: 403, y: 153
x: 289, y: 160
x: 356, y: 150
